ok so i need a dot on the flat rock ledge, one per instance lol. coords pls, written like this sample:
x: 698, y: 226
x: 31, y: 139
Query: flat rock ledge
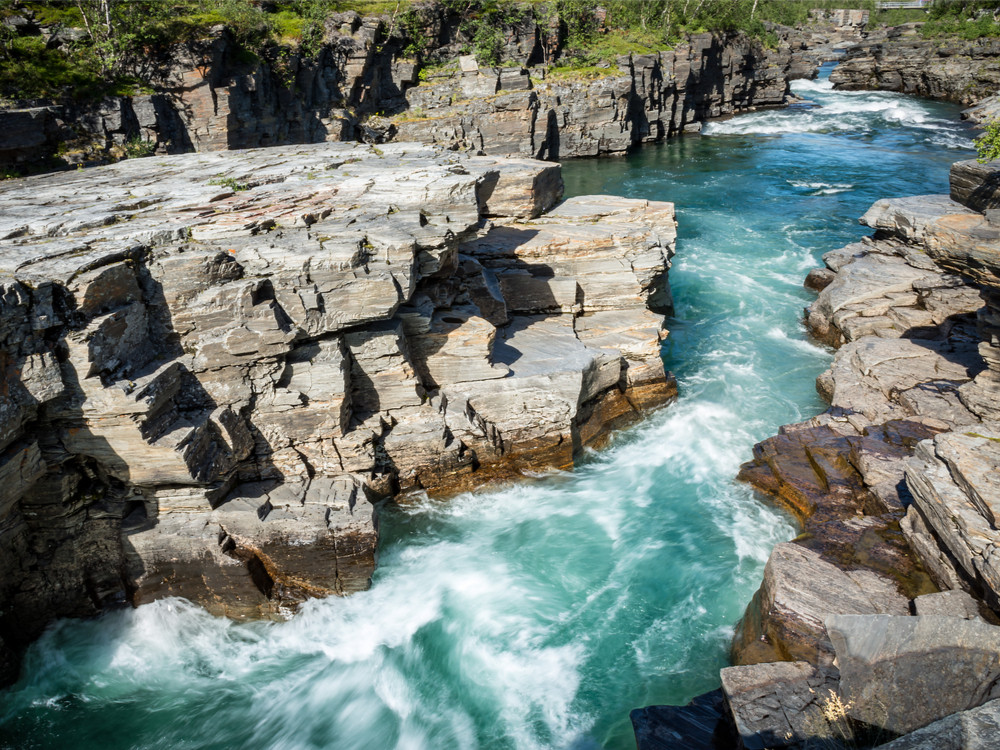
x: 216, y: 365
x: 880, y: 620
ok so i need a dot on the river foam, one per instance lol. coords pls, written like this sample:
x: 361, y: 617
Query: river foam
x: 826, y: 110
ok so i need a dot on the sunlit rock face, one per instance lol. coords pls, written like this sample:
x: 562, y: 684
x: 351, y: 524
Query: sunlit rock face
x: 214, y: 364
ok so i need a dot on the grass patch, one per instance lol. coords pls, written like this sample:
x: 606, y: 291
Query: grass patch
x: 32, y: 71
x: 580, y: 73
x: 230, y: 182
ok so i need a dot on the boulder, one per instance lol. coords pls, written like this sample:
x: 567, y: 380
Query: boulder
x: 975, y: 185
x: 800, y: 591
x: 902, y: 673
x: 778, y: 704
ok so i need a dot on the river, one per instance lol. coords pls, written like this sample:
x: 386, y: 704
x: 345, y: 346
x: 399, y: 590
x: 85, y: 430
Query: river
x: 538, y: 615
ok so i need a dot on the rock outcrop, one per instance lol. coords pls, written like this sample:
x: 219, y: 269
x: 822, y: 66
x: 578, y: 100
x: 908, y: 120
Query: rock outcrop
x: 902, y: 673
x: 644, y: 98
x: 954, y: 69
x: 214, y: 365
x: 822, y: 38
x: 902, y: 467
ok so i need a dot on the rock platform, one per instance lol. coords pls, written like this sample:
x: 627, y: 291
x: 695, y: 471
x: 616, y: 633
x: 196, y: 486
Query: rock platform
x: 215, y: 366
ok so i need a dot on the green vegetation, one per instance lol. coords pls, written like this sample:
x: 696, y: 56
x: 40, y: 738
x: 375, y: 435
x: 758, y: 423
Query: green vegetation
x: 966, y: 19
x: 137, y: 148
x: 578, y: 72
x: 115, y: 44
x: 988, y: 144
x: 123, y: 39
x: 230, y: 182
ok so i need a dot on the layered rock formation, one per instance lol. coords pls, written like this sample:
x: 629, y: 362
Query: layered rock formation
x: 215, y: 364
x: 957, y: 70
x: 895, y: 486
x: 907, y: 451
x: 646, y: 98
x: 208, y: 97
x: 823, y: 38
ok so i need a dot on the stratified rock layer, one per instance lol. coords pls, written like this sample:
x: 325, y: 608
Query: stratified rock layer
x: 954, y: 69
x: 214, y: 364
x: 908, y: 453
x: 209, y: 97
x: 643, y: 98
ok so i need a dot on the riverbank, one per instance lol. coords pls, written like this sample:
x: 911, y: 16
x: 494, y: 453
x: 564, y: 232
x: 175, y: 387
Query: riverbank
x: 891, y: 485
x: 218, y: 365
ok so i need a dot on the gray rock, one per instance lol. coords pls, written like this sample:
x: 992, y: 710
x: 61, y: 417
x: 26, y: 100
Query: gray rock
x: 952, y: 480
x: 799, y: 593
x: 700, y: 725
x: 902, y: 673
x: 975, y: 185
x: 778, y: 704
x: 954, y: 69
x: 975, y: 729
x: 954, y: 603
x: 215, y: 363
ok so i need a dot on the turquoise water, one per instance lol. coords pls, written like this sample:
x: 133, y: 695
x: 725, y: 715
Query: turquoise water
x: 538, y: 615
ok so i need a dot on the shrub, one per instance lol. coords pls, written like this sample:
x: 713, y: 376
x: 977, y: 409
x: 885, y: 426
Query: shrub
x: 138, y: 147
x: 988, y: 144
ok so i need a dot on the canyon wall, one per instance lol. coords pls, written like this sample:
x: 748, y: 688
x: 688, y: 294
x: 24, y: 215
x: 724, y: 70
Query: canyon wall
x: 361, y: 86
x: 215, y: 366
x: 644, y: 98
x: 953, y: 69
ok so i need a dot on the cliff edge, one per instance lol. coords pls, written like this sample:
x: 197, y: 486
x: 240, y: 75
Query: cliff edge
x: 214, y: 366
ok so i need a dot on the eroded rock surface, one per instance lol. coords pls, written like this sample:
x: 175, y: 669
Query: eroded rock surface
x: 975, y: 729
x: 907, y: 451
x: 902, y: 673
x: 954, y: 69
x: 363, y: 83
x: 779, y: 704
x: 643, y: 98
x: 214, y: 364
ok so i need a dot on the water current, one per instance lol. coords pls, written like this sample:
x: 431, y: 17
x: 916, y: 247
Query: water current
x: 538, y: 615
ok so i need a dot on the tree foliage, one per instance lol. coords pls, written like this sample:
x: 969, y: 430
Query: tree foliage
x: 988, y: 144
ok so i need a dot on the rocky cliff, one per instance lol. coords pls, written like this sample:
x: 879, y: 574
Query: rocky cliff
x: 644, y: 98
x: 208, y: 97
x: 216, y: 365
x: 957, y: 70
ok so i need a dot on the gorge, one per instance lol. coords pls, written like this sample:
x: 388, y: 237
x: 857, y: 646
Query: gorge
x: 540, y: 614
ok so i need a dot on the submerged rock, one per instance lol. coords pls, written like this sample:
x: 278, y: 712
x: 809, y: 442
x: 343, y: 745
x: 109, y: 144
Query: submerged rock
x: 700, y: 725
